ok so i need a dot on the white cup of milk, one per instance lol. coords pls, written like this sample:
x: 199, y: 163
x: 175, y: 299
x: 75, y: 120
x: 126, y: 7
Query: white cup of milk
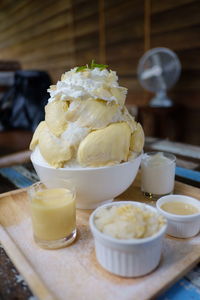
x: 157, y: 174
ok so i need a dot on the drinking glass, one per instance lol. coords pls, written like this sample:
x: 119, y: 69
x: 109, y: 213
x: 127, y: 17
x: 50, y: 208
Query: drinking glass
x: 157, y: 174
x: 53, y: 214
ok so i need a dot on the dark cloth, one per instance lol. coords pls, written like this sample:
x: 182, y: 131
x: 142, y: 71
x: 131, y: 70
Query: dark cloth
x: 22, y: 106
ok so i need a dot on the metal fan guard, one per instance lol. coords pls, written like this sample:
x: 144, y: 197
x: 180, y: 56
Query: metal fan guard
x: 146, y: 56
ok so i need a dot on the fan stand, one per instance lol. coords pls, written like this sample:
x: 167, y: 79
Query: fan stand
x: 161, y: 100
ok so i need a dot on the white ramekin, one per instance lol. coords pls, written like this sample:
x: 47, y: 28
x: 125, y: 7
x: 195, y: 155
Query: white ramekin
x: 127, y: 258
x: 181, y: 226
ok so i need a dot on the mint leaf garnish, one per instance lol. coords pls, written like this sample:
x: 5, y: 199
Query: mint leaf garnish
x: 100, y: 66
x: 82, y: 68
x: 92, y: 66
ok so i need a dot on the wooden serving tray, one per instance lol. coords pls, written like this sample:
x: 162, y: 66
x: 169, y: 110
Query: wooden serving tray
x: 73, y: 272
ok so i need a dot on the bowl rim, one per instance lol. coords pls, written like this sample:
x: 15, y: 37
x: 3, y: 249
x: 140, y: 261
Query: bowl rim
x: 133, y: 160
x: 176, y: 217
x: 135, y: 241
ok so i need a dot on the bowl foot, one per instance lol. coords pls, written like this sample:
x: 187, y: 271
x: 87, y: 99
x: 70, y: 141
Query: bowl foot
x: 91, y: 205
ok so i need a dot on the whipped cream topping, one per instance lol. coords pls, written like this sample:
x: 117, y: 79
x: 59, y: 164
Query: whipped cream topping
x: 95, y: 83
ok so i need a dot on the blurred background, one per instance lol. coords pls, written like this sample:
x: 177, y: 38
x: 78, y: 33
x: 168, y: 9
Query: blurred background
x: 53, y: 36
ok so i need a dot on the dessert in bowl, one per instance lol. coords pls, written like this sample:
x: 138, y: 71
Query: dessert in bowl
x: 88, y: 136
x: 128, y: 237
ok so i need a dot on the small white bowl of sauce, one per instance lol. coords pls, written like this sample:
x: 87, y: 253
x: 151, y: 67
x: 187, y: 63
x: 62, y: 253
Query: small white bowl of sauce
x: 182, y: 213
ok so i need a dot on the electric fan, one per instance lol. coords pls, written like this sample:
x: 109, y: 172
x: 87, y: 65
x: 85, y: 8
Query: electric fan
x: 158, y: 70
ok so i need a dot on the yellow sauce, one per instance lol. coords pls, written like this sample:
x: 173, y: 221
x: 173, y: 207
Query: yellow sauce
x: 53, y: 214
x: 179, y: 208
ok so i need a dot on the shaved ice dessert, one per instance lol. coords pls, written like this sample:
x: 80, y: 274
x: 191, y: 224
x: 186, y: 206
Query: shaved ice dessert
x: 86, y: 122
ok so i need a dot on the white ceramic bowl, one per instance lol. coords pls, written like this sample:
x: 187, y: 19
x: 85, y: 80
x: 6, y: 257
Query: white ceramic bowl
x: 181, y: 226
x: 127, y: 258
x: 94, y: 186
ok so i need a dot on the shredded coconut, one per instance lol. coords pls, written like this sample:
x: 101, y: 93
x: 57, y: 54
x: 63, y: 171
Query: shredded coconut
x: 128, y: 221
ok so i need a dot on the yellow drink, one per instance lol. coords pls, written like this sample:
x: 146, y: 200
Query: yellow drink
x: 179, y: 208
x: 53, y: 214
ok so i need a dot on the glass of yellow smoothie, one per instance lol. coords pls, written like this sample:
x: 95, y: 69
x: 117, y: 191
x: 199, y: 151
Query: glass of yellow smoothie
x: 53, y: 214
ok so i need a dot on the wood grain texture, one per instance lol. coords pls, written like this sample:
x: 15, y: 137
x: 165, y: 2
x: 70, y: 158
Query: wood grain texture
x: 12, y: 141
x: 56, y: 274
x: 58, y: 35
x: 14, y: 159
x: 63, y: 34
x: 12, y: 285
x: 102, y: 38
x: 24, y: 266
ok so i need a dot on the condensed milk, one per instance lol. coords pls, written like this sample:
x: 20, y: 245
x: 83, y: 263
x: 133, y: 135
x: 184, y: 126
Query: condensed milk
x: 158, y: 172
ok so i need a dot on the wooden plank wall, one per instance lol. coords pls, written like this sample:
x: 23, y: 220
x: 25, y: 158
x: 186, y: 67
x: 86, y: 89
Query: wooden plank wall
x: 57, y: 35
x: 176, y: 24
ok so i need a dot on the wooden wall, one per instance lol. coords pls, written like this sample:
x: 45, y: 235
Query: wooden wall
x: 57, y: 35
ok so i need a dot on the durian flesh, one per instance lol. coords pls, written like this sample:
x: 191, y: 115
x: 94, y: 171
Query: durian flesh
x: 35, y: 138
x: 55, y: 151
x: 93, y: 113
x: 93, y: 132
x: 137, y: 139
x: 106, y: 146
x: 55, y: 116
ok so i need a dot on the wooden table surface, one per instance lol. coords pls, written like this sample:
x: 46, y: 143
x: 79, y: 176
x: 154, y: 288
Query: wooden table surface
x: 12, y: 285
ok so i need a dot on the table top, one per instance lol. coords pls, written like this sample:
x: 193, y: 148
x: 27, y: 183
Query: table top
x: 12, y: 284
